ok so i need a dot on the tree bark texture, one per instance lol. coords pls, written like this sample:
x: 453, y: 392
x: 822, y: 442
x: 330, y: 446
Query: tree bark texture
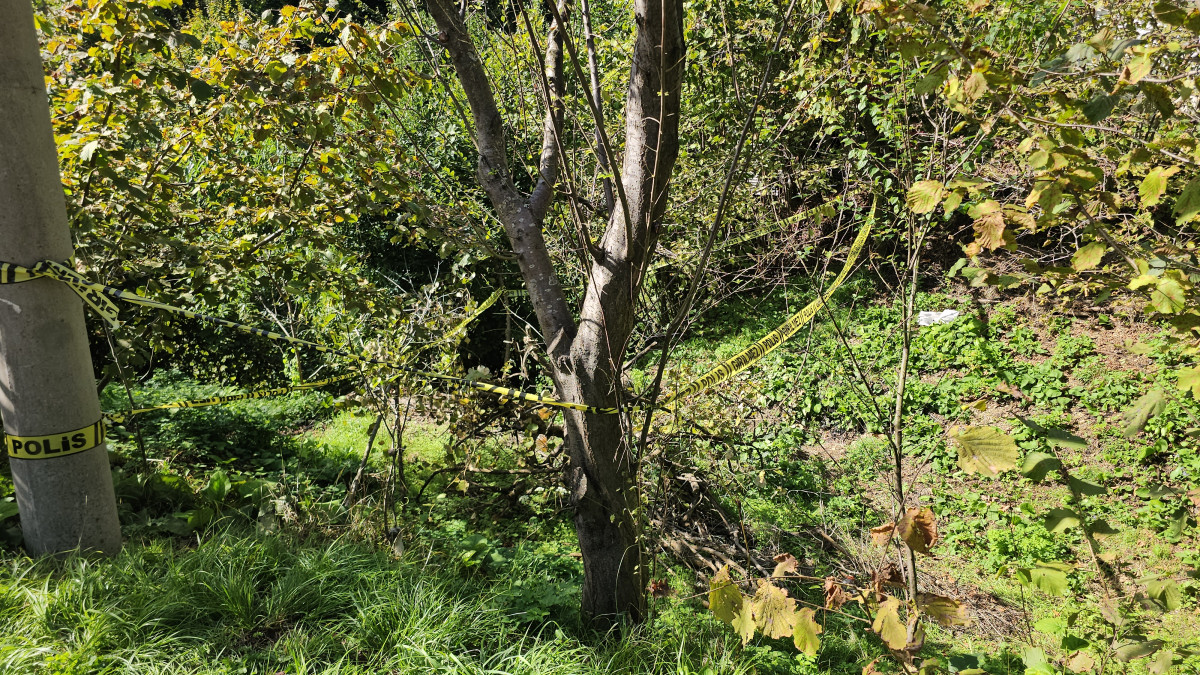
x: 586, y: 355
x: 47, y: 384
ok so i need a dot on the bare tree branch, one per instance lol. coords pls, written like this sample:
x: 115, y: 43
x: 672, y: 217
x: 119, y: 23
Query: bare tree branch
x: 543, y: 193
x: 523, y: 229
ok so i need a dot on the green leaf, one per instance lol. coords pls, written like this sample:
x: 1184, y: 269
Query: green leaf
x: 1100, y: 107
x: 1061, y: 520
x: 888, y: 626
x: 1054, y: 625
x: 924, y: 196
x: 1172, y: 13
x: 805, y: 631
x: 1165, y: 593
x: 1088, y: 257
x: 1188, y: 204
x: 1136, y: 650
x: 1149, y: 405
x: 1085, y: 488
x: 1176, y: 524
x: 946, y: 611
x: 1155, y: 184
x: 1038, y: 465
x: 1050, y: 578
x: 724, y: 599
x: 1056, y: 438
x: 984, y: 450
x: 276, y: 71
x: 933, y: 80
x: 1162, y: 663
x: 1189, y: 380
x: 1101, y: 528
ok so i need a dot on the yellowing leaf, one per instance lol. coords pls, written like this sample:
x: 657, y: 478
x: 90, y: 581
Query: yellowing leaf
x: 724, y: 598
x: 984, y: 450
x: 946, y: 611
x: 805, y: 631
x: 1189, y: 380
x: 1137, y: 68
x: 989, y: 231
x: 1155, y: 184
x: 1088, y: 257
x: 918, y: 529
x: 773, y: 611
x: 743, y: 623
x: 924, y: 196
x: 975, y: 86
x: 1168, y: 296
x: 1082, y: 662
x: 888, y: 626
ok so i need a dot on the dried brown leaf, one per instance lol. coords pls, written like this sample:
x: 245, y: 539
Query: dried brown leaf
x: 918, y: 529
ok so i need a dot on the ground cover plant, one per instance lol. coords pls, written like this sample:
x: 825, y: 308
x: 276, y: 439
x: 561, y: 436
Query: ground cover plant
x: 447, y: 187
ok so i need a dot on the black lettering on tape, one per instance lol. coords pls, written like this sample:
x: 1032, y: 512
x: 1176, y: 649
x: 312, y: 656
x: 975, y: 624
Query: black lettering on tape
x: 55, y: 445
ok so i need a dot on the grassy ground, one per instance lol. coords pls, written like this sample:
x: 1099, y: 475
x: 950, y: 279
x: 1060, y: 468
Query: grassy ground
x: 242, y: 558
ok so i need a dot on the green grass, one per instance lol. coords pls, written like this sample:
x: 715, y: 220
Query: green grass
x: 242, y: 603
x: 490, y: 582
x: 347, y: 432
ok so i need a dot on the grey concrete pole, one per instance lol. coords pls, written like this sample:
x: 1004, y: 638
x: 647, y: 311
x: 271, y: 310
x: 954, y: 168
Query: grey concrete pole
x: 47, y: 386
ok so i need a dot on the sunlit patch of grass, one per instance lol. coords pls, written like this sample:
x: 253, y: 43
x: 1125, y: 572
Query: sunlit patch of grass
x: 347, y: 434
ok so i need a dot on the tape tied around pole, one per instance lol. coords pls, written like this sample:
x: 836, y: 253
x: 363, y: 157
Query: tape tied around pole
x: 60, y: 444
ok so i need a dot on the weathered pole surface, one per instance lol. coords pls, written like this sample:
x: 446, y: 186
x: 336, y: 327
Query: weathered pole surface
x: 47, y: 386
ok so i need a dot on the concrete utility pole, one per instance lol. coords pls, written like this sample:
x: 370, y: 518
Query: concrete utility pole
x: 48, y: 400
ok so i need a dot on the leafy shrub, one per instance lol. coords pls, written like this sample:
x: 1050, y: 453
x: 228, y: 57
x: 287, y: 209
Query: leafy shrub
x: 1022, y: 544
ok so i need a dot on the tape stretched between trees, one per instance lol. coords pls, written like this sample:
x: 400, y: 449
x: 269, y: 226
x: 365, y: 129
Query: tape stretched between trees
x: 97, y: 297
x: 50, y: 446
x: 771, y: 341
x: 118, y: 418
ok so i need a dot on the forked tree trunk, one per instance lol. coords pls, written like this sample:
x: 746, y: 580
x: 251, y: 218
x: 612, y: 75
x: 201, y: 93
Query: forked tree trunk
x: 47, y: 386
x: 585, y: 355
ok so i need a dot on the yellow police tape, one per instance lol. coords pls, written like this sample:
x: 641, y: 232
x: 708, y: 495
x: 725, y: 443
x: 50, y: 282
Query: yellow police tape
x: 771, y: 341
x: 97, y: 297
x: 55, y: 445
x: 94, y: 295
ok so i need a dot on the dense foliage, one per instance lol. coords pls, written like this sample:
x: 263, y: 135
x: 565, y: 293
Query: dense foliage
x: 1014, y: 491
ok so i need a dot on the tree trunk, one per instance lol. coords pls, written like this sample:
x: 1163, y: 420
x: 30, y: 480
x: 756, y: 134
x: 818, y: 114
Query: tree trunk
x: 585, y: 357
x: 47, y: 387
